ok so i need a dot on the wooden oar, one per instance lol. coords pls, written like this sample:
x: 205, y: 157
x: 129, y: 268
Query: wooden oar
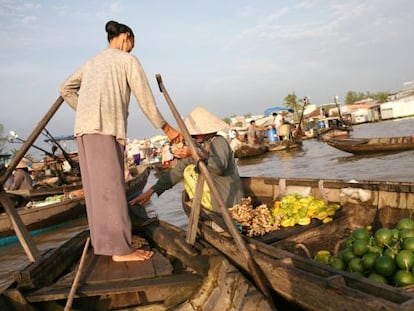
x: 299, y: 131
x: 76, y: 280
x: 195, y: 211
x: 21, y: 231
x: 254, y: 269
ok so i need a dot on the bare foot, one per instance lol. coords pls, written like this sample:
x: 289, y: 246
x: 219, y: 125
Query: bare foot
x: 138, y: 255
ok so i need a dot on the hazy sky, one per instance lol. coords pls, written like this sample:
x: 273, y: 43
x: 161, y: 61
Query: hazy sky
x: 232, y: 57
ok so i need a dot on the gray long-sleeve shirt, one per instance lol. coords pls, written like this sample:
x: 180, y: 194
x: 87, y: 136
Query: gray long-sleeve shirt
x: 222, y: 168
x: 21, y: 180
x: 100, y: 93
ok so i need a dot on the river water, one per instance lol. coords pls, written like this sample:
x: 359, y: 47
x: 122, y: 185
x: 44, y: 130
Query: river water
x: 314, y: 160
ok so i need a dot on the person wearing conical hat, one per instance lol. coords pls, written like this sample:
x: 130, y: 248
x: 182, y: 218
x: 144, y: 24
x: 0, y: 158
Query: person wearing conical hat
x: 218, y: 155
x: 21, y: 178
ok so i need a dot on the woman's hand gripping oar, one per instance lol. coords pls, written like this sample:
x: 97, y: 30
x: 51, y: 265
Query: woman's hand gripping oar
x: 254, y: 269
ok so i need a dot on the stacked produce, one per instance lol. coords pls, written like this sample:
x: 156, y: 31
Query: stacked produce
x: 254, y: 221
x: 291, y: 210
x: 295, y: 209
x: 385, y: 255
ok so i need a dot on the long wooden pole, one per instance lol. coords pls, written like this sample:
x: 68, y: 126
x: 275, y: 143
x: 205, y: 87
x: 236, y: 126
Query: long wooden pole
x: 305, y: 102
x: 253, y: 268
x: 78, y: 275
x: 21, y: 231
x: 195, y: 211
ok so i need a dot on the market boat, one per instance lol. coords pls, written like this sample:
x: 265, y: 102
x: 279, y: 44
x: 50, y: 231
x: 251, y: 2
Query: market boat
x: 284, y: 140
x: 177, y: 277
x: 332, y: 127
x: 246, y: 150
x: 41, y: 193
x: 373, y: 145
x: 63, y: 206
x: 284, y: 145
x: 285, y: 256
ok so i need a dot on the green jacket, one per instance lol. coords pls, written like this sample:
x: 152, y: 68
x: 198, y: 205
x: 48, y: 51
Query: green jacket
x: 223, y: 170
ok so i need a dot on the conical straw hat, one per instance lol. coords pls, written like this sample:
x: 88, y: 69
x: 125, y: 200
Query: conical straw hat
x: 200, y: 121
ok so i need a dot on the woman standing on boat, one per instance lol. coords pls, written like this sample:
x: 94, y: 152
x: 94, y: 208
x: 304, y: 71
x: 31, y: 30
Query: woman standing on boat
x: 100, y: 93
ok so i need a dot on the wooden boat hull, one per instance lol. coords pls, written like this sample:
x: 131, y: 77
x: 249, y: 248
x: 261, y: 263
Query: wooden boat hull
x: 290, y: 270
x: 42, y: 192
x: 177, y: 277
x: 283, y: 145
x: 42, y: 217
x: 247, y: 151
x: 330, y: 133
x: 373, y: 145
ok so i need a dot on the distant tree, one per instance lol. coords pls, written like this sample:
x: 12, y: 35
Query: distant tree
x: 382, y: 97
x: 227, y: 120
x: 292, y: 101
x: 248, y: 115
x: 352, y: 96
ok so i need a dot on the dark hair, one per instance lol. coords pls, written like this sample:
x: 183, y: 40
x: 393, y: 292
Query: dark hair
x: 114, y: 29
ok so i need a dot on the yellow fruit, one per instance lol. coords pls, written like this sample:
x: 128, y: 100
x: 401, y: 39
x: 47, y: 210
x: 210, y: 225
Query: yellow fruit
x: 327, y: 219
x: 285, y: 222
x: 310, y: 213
x: 304, y: 221
x: 321, y: 215
x: 330, y: 211
x: 296, y: 207
x: 312, y: 207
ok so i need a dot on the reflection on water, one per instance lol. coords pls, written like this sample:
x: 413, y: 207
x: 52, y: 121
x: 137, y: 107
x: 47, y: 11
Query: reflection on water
x: 314, y: 160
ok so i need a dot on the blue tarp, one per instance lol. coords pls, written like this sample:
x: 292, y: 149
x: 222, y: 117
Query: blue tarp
x: 269, y: 111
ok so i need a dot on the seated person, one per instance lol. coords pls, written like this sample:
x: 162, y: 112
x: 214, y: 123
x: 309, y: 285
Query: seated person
x: 22, y: 179
x: 218, y: 156
x: 10, y: 179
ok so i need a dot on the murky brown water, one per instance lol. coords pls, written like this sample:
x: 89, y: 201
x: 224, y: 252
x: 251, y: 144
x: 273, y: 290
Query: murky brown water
x: 315, y: 160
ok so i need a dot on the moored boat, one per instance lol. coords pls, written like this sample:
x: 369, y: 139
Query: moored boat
x: 284, y: 145
x: 331, y: 127
x: 245, y: 150
x: 285, y: 256
x: 177, y: 277
x: 62, y: 206
x: 373, y: 145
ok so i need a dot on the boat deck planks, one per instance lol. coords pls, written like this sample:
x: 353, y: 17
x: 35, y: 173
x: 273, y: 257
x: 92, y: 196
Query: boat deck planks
x: 104, y: 270
x: 104, y: 276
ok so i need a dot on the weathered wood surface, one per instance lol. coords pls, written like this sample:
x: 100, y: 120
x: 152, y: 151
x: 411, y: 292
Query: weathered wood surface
x: 287, y: 259
x: 312, y: 285
x: 247, y: 151
x: 39, y: 217
x: 53, y: 263
x: 43, y: 216
x: 44, y: 192
x: 164, y: 282
x: 283, y: 145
